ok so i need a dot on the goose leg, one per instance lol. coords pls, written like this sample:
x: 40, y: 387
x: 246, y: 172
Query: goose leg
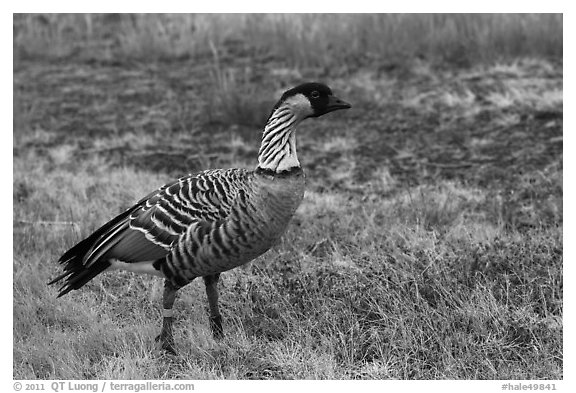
x: 212, y: 293
x: 166, y: 338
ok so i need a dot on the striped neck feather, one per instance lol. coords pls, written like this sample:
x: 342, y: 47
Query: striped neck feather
x: 278, y: 149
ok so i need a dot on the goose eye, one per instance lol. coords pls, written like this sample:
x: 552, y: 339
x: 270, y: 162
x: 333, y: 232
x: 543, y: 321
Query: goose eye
x: 315, y: 94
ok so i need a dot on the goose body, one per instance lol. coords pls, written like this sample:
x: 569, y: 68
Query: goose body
x: 207, y: 223
x: 253, y: 215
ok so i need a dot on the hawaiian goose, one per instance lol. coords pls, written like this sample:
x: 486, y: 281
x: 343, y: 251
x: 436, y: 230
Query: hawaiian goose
x: 207, y: 223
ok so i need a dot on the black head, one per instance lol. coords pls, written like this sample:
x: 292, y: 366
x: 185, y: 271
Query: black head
x: 318, y: 96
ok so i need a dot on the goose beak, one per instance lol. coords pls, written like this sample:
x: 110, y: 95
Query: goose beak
x: 335, y: 103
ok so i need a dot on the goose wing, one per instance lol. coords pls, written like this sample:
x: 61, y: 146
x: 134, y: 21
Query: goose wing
x: 148, y: 230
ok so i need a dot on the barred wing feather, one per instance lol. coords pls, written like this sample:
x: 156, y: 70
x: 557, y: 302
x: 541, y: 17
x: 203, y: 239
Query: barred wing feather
x: 149, y: 229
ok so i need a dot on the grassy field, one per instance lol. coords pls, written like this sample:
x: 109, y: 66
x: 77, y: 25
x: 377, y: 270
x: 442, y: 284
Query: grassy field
x: 428, y: 246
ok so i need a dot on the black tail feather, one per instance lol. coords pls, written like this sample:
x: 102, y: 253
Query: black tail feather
x: 76, y: 280
x: 76, y: 273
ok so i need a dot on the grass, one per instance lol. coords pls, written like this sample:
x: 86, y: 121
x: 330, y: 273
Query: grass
x: 429, y: 243
x: 320, y: 40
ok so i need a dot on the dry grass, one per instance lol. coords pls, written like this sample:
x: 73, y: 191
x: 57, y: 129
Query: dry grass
x: 303, y: 40
x: 429, y: 243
